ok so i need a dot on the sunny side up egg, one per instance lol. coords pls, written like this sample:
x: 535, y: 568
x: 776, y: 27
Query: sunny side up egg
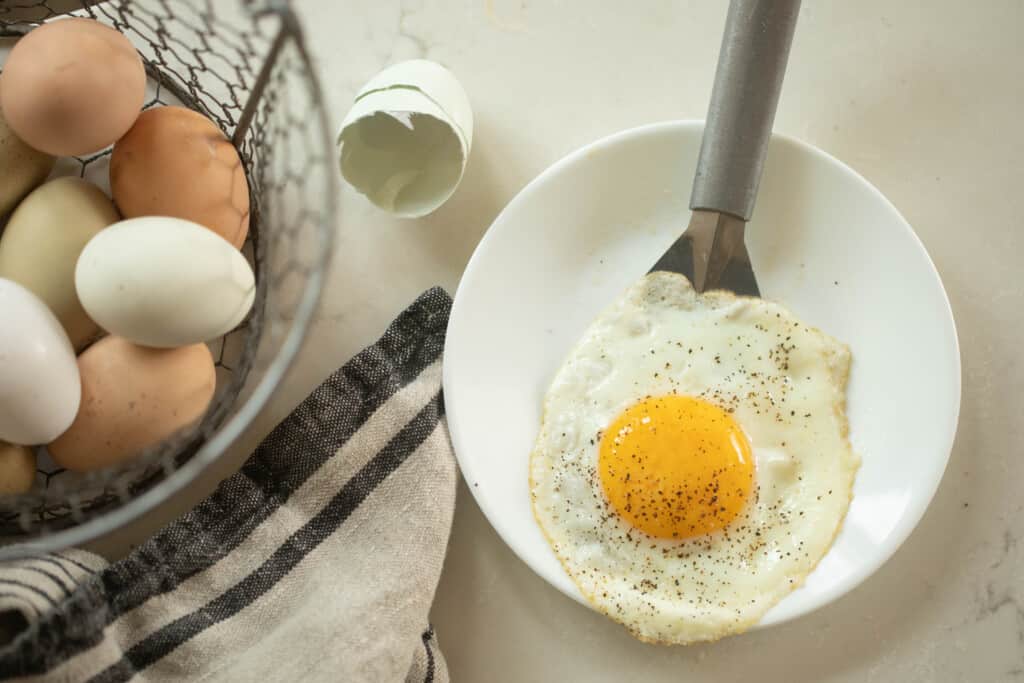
x: 693, y: 465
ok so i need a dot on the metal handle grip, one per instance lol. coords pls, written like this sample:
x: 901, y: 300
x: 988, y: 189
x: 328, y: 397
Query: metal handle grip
x: 751, y: 65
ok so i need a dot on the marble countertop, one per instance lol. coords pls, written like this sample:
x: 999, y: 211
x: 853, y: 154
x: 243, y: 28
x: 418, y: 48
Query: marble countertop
x: 923, y: 98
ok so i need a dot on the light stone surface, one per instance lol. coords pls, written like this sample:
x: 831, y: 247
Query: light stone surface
x: 923, y: 98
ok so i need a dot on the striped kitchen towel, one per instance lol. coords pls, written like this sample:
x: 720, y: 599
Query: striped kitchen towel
x: 317, y: 561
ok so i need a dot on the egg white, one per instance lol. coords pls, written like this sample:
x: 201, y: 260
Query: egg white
x: 785, y: 384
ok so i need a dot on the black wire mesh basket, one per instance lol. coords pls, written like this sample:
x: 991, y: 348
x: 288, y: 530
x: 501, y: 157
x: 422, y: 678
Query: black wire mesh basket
x: 243, y: 64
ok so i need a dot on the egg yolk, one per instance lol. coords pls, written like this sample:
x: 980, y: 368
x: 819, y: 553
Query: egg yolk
x: 676, y: 467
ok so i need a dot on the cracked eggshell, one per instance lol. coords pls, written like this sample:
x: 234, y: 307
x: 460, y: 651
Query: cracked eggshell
x: 164, y: 282
x: 177, y: 162
x: 405, y: 142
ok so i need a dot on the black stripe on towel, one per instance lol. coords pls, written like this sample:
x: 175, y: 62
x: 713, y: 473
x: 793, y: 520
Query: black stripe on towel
x: 218, y: 525
x: 58, y: 564
x: 427, y: 637
x: 286, y: 557
x: 64, y: 590
x: 75, y: 562
x: 27, y: 586
x: 21, y: 598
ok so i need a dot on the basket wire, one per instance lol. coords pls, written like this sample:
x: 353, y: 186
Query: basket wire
x: 244, y: 65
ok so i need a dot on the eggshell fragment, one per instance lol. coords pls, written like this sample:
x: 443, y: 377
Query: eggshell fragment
x: 133, y: 397
x: 17, y: 469
x: 43, y: 240
x: 164, y: 282
x: 176, y: 162
x: 72, y: 86
x: 21, y: 167
x: 39, y: 385
x: 405, y: 142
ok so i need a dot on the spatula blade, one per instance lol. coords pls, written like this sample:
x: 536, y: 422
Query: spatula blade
x: 712, y: 255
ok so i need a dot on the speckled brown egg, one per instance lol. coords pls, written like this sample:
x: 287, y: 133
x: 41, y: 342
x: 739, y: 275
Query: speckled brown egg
x: 133, y: 397
x: 23, y: 167
x: 176, y: 162
x: 71, y: 87
x: 17, y: 468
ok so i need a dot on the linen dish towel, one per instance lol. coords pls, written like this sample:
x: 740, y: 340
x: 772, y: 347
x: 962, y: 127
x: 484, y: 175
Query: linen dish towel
x: 317, y: 561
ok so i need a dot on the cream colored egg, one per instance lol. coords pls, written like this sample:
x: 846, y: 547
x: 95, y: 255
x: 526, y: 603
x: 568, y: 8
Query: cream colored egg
x: 17, y: 469
x: 133, y: 398
x: 164, y: 282
x: 42, y: 242
x: 648, y: 514
x: 39, y: 385
x: 21, y: 167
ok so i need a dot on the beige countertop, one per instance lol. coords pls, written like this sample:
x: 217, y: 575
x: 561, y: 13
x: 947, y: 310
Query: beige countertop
x: 923, y: 98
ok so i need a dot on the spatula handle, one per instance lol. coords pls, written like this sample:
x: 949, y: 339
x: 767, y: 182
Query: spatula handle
x: 751, y: 65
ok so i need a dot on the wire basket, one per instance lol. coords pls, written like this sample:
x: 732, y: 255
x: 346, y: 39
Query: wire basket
x: 243, y: 64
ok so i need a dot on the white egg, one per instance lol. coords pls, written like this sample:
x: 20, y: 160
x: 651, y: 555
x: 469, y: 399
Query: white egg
x: 39, y: 384
x: 164, y: 282
x: 704, y: 470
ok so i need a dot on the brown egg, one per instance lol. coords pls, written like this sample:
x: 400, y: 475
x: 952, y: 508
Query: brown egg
x: 17, y: 468
x: 133, y: 397
x: 72, y: 87
x: 23, y: 168
x: 176, y: 162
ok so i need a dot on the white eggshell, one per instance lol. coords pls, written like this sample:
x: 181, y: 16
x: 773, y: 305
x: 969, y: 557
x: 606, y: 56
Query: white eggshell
x: 405, y: 142
x: 39, y: 384
x: 164, y: 282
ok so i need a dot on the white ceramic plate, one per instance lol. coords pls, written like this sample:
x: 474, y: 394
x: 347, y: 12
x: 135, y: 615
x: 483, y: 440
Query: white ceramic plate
x: 823, y: 241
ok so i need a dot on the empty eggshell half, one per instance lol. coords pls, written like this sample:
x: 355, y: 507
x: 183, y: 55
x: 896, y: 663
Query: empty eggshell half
x: 164, y: 282
x: 405, y: 142
x: 39, y: 384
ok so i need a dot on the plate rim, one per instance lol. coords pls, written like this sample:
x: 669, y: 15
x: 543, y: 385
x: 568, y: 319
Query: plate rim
x: 911, y: 521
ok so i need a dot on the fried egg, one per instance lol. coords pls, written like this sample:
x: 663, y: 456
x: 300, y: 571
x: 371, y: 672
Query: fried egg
x: 693, y: 464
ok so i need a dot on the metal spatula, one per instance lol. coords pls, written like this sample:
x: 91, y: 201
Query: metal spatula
x: 751, y: 65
